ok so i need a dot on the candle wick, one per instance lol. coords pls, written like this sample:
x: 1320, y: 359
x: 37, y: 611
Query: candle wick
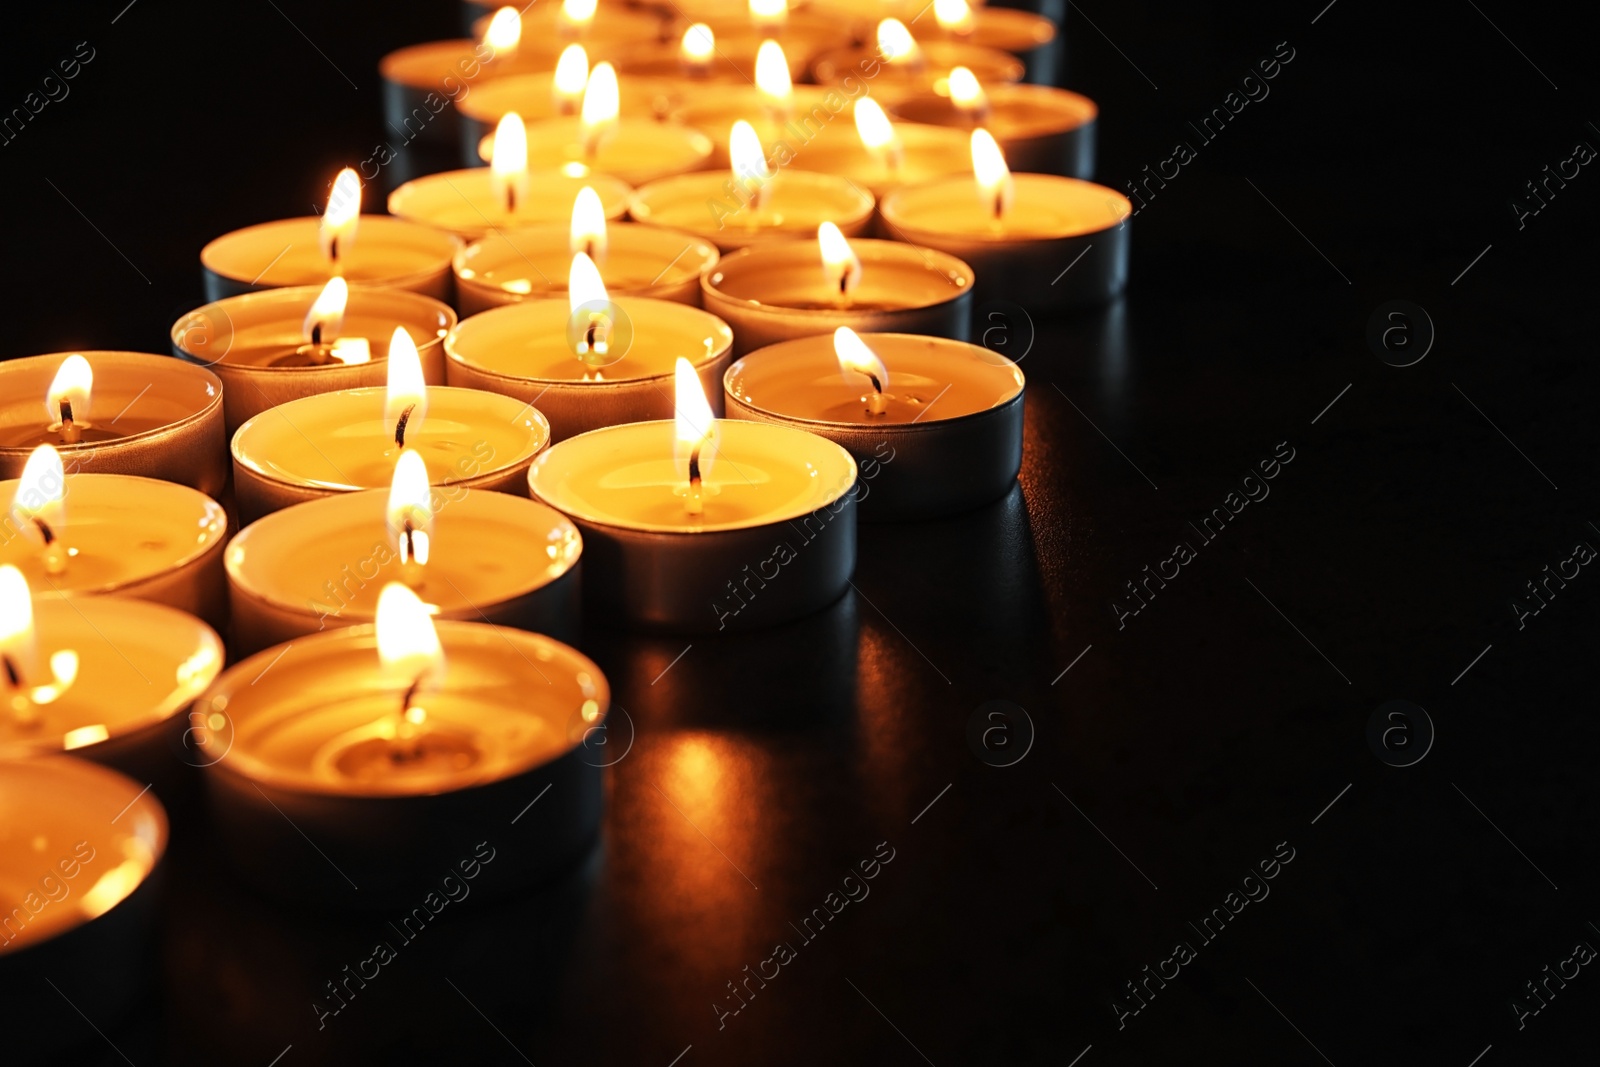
x: 316, y: 334
x: 511, y: 198
x: 999, y: 205
x: 875, y: 403
x: 70, y: 434
x: 696, y: 501
x: 400, y: 426
x: 45, y: 532
x: 13, y: 672
x: 333, y: 249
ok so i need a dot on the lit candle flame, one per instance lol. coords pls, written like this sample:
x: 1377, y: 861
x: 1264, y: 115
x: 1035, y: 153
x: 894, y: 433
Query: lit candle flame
x: 697, y: 48
x: 601, y: 101
x: 66, y: 403
x: 405, y: 400
x: 954, y: 16
x: 508, y: 161
x: 588, y: 233
x: 410, y: 653
x: 504, y: 33
x: 840, y: 264
x: 992, y: 174
x: 749, y: 161
x: 337, y: 230
x: 410, y: 511
x: 19, y: 652
x: 326, y: 317
x: 772, y: 78
x: 572, y: 74
x: 591, y: 307
x: 576, y: 15
x: 856, y: 360
x: 769, y: 16
x: 695, y: 433
x: 896, y: 45
x: 877, y: 133
x: 967, y: 95
x: 39, y: 505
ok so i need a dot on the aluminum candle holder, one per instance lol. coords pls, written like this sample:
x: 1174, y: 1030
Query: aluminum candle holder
x: 152, y: 416
x: 948, y: 440
x: 1042, y: 130
x: 250, y: 341
x: 387, y: 252
x: 938, y: 59
x: 797, y: 203
x: 777, y: 292
x: 467, y: 204
x: 533, y: 97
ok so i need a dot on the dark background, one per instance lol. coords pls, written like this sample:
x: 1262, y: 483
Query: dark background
x: 1196, y: 738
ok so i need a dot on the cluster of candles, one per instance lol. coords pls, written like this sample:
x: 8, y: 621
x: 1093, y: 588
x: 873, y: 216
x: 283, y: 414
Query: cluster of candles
x: 389, y: 440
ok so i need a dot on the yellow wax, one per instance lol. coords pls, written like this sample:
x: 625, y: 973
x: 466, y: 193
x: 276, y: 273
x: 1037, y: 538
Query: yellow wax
x: 789, y: 276
x: 1004, y: 29
x: 384, y: 251
x: 1043, y: 206
x: 138, y: 664
x: 990, y: 65
x: 532, y: 97
x: 465, y: 202
x: 1014, y: 112
x: 340, y: 441
x: 119, y: 530
x: 516, y: 264
x: 795, y: 204
x: 755, y: 475
x: 633, y: 150
x: 133, y: 393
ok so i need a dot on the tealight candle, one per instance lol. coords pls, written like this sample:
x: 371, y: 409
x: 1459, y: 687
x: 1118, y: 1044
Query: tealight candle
x: 935, y: 424
x: 367, y: 249
x: 510, y: 266
x: 882, y: 155
x: 396, y: 747
x: 420, y: 81
x: 587, y: 360
x: 773, y: 106
x: 282, y: 344
x: 349, y: 440
x: 546, y: 28
x: 504, y: 195
x: 129, y: 413
x: 898, y: 60
x: 79, y: 849
x: 105, y: 678
x: 89, y: 534
x: 778, y: 291
x: 695, y: 524
x: 757, y: 204
x: 1041, y: 129
x: 707, y: 57
x: 1030, y: 37
x: 1040, y: 240
x: 474, y: 555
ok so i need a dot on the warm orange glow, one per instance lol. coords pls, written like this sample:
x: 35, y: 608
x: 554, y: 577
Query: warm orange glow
x: 405, y: 401
x: 699, y: 45
x: 857, y: 361
x: 337, y: 231
x: 584, y: 284
x: 896, y: 45
x: 567, y: 84
x: 410, y: 511
x: 772, y: 76
x: 588, y: 233
x: 39, y: 506
x: 66, y: 404
x: 16, y: 617
x: 769, y: 16
x: 695, y: 428
x: 749, y: 160
x: 576, y: 15
x: 326, y: 317
x: 954, y: 16
x: 966, y: 93
x: 840, y: 264
x: 877, y: 132
x: 18, y: 649
x: 601, y: 103
x: 408, y: 644
x: 990, y: 170
x: 504, y: 33
x: 508, y: 161
x: 591, y: 306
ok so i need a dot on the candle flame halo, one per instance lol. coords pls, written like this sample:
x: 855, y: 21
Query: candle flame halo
x: 504, y: 33
x: 39, y: 505
x: 896, y: 45
x: 698, y: 46
x: 840, y: 264
x: 966, y: 93
x: 69, y: 392
x: 769, y: 16
x: 857, y: 361
x: 576, y: 15
x: 772, y: 76
x: 954, y: 16
x: 990, y: 170
x: 408, y: 643
x: 601, y: 105
x: 405, y: 400
x: 16, y: 620
x: 694, y: 430
x: 410, y: 509
x: 337, y: 230
x: 588, y: 232
x: 19, y: 651
x: 749, y: 160
x: 570, y: 78
x: 508, y: 161
x: 325, y: 318
x: 877, y: 133
x: 593, y: 317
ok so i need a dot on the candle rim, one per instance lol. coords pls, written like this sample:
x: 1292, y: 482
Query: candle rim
x: 619, y: 235
x: 1041, y: 30
x: 471, y: 183
x: 373, y: 231
x: 941, y: 56
x: 963, y: 186
x: 487, y: 104
x: 98, y: 356
x: 1084, y: 108
x: 694, y: 185
x: 952, y: 268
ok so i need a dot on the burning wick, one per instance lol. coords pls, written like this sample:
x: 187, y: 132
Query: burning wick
x: 400, y: 426
x: 856, y: 358
x: 695, y: 504
x: 70, y: 433
x: 408, y: 647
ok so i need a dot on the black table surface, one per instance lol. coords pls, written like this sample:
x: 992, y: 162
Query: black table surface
x: 1152, y: 761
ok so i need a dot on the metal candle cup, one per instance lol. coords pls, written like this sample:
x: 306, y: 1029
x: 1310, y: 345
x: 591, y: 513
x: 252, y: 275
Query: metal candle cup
x: 1031, y: 38
x: 950, y: 439
x: 523, y: 351
x: 776, y: 539
x: 77, y: 827
x: 387, y: 252
x: 810, y: 110
x: 333, y: 443
x: 796, y: 203
x: 532, y: 96
x: 129, y: 536
x: 729, y: 65
x: 139, y: 667
x: 242, y: 338
x: 467, y: 204
x: 1061, y: 243
x: 506, y: 724
x: 938, y: 59
x: 508, y: 267
x: 776, y: 292
x: 493, y: 558
x: 923, y: 153
x: 166, y: 417
x: 1043, y: 130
